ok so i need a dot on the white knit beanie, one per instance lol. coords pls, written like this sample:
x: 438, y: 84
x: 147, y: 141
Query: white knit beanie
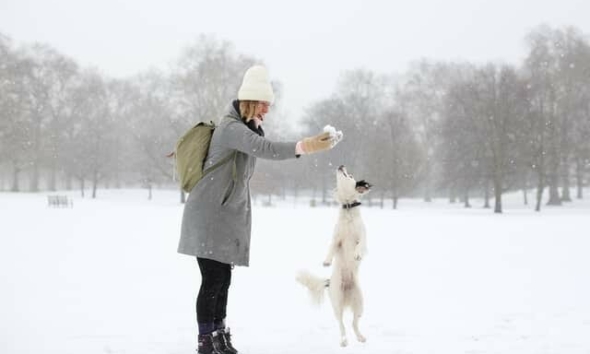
x: 256, y: 85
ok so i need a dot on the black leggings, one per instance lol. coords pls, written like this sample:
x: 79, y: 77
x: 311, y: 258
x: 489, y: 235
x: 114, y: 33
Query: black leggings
x: 212, y: 298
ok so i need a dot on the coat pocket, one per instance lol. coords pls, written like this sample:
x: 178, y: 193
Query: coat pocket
x: 229, y: 191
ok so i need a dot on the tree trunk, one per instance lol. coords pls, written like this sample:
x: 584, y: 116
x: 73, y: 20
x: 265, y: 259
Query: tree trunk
x: 580, y: 178
x: 82, y: 187
x: 427, y: 188
x: 466, y: 202
x: 565, y: 192
x: 486, y: 196
x: 525, y: 187
x: 34, y: 182
x: 540, y: 187
x: 554, y: 198
x: 94, y: 184
x: 497, y: 193
x: 554, y: 162
x: 15, y: 173
x: 540, y: 168
x: 564, y: 146
x: 395, y: 202
x: 498, y: 187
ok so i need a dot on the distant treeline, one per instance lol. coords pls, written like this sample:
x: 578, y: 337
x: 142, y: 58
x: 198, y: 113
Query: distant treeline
x: 456, y: 130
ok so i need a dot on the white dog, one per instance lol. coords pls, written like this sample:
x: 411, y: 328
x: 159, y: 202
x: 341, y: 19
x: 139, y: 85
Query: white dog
x: 347, y: 250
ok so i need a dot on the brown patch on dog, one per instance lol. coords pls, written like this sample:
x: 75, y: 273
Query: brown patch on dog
x: 347, y: 281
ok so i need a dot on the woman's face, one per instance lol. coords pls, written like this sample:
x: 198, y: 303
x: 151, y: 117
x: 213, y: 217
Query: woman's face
x: 262, y: 109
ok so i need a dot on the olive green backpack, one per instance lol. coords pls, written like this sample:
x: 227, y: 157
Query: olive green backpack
x: 191, y: 152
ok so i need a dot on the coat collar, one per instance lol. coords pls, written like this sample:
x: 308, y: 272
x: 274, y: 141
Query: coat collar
x: 234, y: 113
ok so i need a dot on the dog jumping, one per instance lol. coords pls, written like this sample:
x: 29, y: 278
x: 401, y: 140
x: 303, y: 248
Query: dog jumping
x: 346, y: 251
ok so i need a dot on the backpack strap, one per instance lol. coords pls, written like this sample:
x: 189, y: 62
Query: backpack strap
x: 234, y: 172
x: 223, y: 161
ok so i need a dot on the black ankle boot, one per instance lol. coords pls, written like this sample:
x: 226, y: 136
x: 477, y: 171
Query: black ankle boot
x: 225, y: 341
x: 210, y: 344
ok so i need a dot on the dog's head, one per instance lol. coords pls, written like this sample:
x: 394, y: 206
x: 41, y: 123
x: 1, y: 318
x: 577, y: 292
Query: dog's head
x: 348, y: 189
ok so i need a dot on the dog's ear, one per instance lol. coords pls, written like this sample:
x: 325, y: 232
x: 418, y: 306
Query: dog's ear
x: 363, y: 186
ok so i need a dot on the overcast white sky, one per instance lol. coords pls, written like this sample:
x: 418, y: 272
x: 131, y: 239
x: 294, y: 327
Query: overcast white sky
x: 306, y: 44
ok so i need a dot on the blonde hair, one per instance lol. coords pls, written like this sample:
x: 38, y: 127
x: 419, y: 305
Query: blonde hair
x: 248, y: 109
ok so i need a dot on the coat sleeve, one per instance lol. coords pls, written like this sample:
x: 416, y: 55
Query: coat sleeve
x: 236, y: 135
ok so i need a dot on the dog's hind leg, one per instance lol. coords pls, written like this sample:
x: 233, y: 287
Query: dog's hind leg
x: 357, y: 312
x: 339, y: 316
x: 337, y: 298
x: 355, y: 326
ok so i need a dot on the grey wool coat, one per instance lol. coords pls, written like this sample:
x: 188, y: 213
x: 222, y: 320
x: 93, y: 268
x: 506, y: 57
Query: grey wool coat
x: 217, y: 218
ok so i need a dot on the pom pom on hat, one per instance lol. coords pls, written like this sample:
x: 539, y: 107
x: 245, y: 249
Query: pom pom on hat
x: 256, y: 85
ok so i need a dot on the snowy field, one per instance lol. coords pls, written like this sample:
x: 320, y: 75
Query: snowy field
x: 104, y: 277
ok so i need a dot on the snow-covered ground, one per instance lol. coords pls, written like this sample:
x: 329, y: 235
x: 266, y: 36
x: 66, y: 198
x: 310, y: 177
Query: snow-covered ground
x: 104, y: 277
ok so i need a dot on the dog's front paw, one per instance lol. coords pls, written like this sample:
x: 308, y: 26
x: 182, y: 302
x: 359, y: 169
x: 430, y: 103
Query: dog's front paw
x: 358, y: 257
x: 327, y: 263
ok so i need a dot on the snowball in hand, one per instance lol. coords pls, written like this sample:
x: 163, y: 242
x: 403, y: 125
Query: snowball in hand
x: 336, y: 136
x: 330, y: 129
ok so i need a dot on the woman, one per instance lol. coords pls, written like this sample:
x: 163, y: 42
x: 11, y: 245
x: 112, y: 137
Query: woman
x: 216, y: 222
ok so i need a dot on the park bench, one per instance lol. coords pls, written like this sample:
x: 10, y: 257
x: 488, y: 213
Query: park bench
x: 59, y: 201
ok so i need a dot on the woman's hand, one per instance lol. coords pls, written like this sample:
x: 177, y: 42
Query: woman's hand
x: 320, y: 142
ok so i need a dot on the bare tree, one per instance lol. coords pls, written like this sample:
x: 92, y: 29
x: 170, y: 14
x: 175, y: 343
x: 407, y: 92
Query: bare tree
x: 423, y: 94
x: 573, y: 57
x: 401, y: 155
x: 507, y: 111
x: 540, y: 69
x: 16, y: 125
x: 463, y: 149
x: 58, y: 76
x: 149, y: 125
x: 91, y: 146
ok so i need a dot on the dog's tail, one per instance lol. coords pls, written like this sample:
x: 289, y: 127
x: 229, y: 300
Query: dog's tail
x: 314, y: 284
